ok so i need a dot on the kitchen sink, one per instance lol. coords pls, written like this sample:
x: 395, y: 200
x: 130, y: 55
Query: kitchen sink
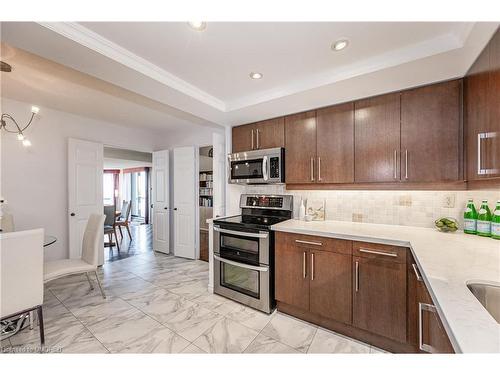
x: 489, y: 296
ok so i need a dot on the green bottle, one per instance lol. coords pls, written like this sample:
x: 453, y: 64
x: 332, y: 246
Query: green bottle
x: 470, y: 218
x: 484, y: 220
x: 495, y: 223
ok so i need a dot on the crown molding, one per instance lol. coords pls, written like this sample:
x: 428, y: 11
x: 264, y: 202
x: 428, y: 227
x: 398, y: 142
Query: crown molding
x: 105, y: 47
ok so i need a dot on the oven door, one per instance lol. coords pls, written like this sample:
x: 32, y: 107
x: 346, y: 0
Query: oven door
x: 247, y: 284
x: 250, y: 247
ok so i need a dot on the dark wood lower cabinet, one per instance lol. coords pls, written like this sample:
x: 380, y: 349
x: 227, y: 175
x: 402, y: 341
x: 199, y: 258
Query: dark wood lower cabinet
x: 374, y: 295
x: 379, y: 297
x: 330, y: 285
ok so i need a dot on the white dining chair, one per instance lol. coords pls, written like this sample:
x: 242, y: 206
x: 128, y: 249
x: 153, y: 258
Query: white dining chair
x: 21, y: 276
x: 88, y: 262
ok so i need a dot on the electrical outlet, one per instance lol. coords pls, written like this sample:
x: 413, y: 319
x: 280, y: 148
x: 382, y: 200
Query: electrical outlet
x: 449, y: 200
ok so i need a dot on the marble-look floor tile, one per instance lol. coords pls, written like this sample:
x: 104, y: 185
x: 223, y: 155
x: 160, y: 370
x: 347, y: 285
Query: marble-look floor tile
x: 193, y: 349
x: 290, y: 331
x: 374, y: 350
x: 226, y: 336
x: 267, y: 345
x: 328, y: 342
x: 190, y: 289
x: 138, y: 334
x: 77, y: 295
x: 162, y: 305
x: 216, y: 303
x: 62, y: 333
x: 190, y: 323
x: 249, y: 317
x: 103, y: 310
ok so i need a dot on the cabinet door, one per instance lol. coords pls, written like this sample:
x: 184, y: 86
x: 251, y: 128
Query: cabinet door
x: 433, y: 335
x: 379, y: 297
x: 431, y: 132
x: 335, y: 147
x: 270, y: 133
x: 331, y: 285
x: 377, y: 139
x: 476, y: 110
x: 291, y: 274
x: 243, y: 138
x: 300, y: 148
x: 492, y: 157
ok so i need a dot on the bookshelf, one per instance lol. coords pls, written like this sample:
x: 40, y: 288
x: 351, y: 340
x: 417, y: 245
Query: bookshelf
x: 206, y: 189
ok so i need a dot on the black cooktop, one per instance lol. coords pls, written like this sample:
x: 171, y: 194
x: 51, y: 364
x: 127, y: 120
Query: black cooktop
x: 251, y: 221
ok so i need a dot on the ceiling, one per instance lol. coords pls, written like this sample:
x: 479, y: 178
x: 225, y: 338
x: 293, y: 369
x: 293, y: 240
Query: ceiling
x: 202, y: 77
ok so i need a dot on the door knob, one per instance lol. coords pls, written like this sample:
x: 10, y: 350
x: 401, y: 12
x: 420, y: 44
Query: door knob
x: 165, y: 208
x: 72, y: 214
x: 175, y: 209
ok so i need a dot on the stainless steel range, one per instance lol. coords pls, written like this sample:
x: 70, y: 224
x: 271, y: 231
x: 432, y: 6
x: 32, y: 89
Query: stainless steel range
x: 244, y: 250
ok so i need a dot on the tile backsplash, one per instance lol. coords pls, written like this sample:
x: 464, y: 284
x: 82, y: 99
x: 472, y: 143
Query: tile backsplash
x: 415, y: 208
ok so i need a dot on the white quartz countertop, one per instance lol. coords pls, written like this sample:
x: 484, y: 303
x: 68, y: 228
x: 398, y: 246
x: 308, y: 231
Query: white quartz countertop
x: 447, y: 261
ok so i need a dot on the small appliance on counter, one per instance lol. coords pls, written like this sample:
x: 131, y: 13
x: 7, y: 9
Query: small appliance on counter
x: 257, y: 167
x: 244, y: 250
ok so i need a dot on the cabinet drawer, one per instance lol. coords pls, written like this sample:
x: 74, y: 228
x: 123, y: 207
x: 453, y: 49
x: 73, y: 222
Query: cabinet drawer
x: 316, y: 242
x: 378, y: 251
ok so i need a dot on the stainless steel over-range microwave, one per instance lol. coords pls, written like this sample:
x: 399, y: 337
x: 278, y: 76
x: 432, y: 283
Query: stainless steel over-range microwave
x: 257, y: 167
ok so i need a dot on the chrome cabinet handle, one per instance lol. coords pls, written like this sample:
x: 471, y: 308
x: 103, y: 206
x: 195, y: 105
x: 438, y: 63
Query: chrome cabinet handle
x: 304, y: 274
x: 356, y: 277
x: 421, y: 307
x: 480, y: 137
x: 419, y: 278
x: 257, y: 138
x: 378, y: 252
x: 312, y: 169
x: 310, y: 242
x: 242, y: 265
x: 312, y: 266
x: 406, y: 164
x: 395, y: 164
x: 319, y: 168
x: 252, y: 140
x: 242, y: 234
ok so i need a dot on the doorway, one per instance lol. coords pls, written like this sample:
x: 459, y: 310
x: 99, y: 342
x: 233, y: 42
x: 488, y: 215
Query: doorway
x: 206, y: 197
x: 126, y: 195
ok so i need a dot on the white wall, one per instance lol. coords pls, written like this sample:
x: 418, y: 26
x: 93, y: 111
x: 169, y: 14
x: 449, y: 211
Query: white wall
x: 34, y: 180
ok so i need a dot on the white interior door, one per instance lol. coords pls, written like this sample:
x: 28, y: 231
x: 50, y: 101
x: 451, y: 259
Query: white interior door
x: 185, y: 202
x: 161, y: 200
x: 219, y: 167
x: 85, y: 169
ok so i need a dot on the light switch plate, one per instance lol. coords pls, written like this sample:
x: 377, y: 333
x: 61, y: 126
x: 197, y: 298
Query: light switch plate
x: 449, y: 200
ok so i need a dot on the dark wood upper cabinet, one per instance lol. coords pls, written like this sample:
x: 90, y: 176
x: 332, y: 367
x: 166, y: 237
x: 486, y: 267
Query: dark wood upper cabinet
x: 259, y: 135
x: 270, y: 133
x: 379, y: 297
x: 330, y: 285
x: 291, y: 273
x: 300, y: 148
x: 377, y: 139
x: 243, y: 138
x: 431, y: 145
x: 482, y: 114
x: 335, y: 144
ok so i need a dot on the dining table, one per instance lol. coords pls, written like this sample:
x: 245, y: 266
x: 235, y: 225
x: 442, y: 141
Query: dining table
x: 9, y: 327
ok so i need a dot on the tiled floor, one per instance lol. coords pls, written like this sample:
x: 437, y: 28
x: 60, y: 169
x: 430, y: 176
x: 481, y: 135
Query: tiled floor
x: 160, y: 304
x: 142, y: 242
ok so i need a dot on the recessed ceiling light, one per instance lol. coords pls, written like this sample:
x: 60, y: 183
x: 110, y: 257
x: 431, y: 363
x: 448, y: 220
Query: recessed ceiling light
x: 339, y: 45
x: 198, y: 25
x: 256, y: 75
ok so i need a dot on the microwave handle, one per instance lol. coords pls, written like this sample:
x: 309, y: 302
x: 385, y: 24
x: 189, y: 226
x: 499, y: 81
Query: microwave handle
x: 265, y: 173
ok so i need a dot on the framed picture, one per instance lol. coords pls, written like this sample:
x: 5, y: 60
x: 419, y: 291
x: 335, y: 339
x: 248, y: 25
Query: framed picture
x: 316, y: 208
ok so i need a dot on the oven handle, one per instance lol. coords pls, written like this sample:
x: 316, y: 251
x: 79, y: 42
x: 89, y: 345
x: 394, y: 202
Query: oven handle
x: 242, y: 265
x: 243, y: 234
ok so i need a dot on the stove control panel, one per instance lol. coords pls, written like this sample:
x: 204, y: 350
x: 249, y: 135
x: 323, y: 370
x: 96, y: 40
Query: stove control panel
x: 281, y: 202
